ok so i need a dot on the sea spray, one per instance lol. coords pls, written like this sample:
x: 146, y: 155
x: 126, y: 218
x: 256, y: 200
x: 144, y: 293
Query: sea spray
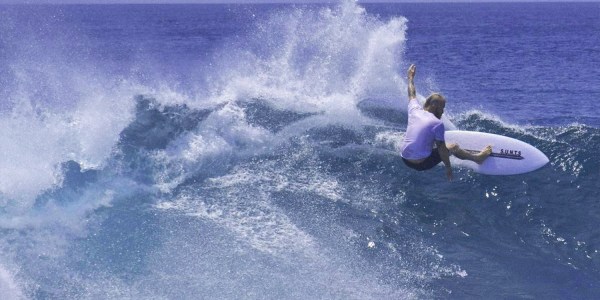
x: 313, y: 59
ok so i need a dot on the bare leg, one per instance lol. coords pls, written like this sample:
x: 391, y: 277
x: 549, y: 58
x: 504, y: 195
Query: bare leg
x: 466, y: 155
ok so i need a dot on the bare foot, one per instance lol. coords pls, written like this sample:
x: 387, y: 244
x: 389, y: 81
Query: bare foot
x: 481, y: 156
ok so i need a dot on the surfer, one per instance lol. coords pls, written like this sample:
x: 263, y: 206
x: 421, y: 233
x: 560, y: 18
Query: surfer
x: 426, y: 127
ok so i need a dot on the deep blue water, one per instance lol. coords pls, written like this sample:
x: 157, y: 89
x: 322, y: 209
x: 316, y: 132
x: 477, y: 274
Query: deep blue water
x: 250, y: 152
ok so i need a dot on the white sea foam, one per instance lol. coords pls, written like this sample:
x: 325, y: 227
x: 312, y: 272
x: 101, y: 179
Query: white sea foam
x: 9, y: 287
x: 36, y: 140
x: 314, y: 61
x: 241, y: 202
x: 391, y: 139
x: 209, y: 147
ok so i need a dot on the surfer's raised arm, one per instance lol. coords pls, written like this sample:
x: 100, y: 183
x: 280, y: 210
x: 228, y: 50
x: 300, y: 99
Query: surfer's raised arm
x: 412, y: 92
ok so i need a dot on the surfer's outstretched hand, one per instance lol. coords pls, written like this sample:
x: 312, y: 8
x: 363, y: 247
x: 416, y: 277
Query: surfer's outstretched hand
x: 411, y: 72
x: 412, y: 92
x: 449, y: 173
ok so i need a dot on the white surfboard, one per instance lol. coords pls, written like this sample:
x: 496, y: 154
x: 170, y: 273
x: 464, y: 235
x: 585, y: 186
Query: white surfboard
x: 509, y: 156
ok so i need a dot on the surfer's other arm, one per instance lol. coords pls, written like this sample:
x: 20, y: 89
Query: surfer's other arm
x: 445, y: 156
x: 412, y: 92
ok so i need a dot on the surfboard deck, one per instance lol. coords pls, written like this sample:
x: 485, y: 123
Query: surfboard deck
x: 509, y: 156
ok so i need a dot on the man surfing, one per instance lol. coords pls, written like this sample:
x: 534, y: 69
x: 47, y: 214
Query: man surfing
x: 425, y: 128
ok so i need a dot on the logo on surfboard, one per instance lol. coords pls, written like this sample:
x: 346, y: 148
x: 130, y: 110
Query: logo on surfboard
x: 511, y: 153
x: 505, y: 153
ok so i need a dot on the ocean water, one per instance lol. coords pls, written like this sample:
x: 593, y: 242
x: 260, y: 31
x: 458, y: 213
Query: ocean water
x: 251, y: 152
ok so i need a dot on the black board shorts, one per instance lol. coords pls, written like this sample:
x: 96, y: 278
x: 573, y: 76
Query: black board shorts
x: 433, y: 160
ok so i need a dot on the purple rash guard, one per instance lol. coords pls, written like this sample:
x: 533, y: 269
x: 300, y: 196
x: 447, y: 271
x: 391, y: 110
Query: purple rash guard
x: 422, y: 130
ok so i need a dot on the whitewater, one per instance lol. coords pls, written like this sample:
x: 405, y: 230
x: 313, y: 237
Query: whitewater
x: 251, y: 152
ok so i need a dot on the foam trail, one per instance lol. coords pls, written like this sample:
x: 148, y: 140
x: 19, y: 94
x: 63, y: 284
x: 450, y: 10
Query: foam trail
x: 9, y: 289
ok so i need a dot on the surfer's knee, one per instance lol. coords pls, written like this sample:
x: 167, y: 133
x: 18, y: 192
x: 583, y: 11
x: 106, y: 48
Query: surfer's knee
x: 453, y: 147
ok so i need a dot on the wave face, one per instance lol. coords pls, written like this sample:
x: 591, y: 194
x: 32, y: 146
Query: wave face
x: 158, y: 152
